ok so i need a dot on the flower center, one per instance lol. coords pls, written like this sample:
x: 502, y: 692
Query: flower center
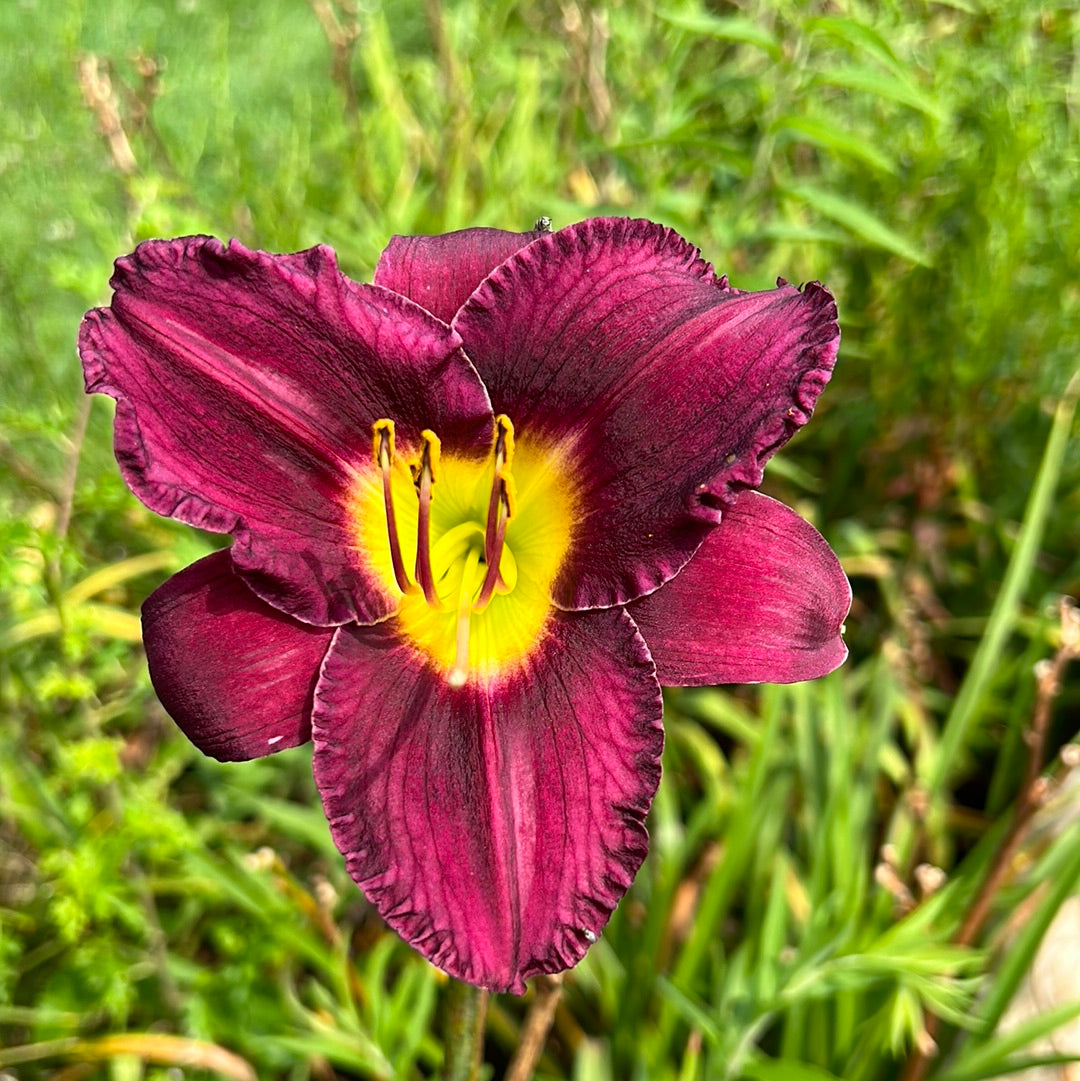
x: 471, y: 547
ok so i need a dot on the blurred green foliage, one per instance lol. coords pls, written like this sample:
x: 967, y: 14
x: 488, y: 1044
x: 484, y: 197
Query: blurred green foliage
x: 919, y: 158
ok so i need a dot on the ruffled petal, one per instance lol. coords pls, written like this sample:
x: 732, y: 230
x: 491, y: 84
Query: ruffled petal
x: 762, y: 601
x: 246, y: 388
x: 235, y: 674
x: 439, y: 272
x: 495, y: 827
x: 667, y: 390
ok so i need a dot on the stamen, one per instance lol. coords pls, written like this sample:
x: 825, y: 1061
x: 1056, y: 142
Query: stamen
x: 504, y: 456
x: 424, y: 478
x: 460, y: 672
x: 383, y: 450
x: 503, y: 490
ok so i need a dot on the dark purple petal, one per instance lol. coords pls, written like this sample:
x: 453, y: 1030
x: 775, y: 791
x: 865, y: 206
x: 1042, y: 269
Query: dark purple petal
x: 494, y: 827
x: 762, y: 601
x: 246, y: 388
x: 235, y: 674
x: 669, y: 390
x: 439, y: 272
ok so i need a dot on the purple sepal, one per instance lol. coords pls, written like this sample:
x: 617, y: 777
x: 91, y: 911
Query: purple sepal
x: 235, y: 674
x: 762, y: 601
x: 439, y: 272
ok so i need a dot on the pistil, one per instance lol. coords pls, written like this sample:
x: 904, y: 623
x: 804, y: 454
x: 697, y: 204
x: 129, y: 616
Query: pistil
x: 460, y: 671
x: 424, y: 479
x: 383, y: 449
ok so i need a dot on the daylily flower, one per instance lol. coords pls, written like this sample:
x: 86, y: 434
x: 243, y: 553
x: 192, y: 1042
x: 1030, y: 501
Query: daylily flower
x: 480, y: 511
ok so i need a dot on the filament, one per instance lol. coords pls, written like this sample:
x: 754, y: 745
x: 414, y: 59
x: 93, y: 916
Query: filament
x: 501, y: 497
x: 425, y: 481
x: 383, y: 450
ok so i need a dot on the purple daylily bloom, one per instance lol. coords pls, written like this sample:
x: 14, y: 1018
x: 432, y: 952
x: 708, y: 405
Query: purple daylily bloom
x: 481, y: 510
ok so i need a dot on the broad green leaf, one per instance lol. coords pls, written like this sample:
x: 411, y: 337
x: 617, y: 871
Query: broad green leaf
x: 859, y: 36
x: 829, y: 136
x: 884, y: 85
x: 734, y: 28
x: 858, y: 220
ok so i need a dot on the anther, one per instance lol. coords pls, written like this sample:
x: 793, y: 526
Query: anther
x: 383, y: 451
x: 504, y: 456
x: 424, y: 478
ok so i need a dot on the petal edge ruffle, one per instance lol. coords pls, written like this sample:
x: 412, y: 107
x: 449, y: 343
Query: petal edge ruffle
x: 666, y: 389
x: 762, y: 601
x: 494, y: 827
x: 246, y: 386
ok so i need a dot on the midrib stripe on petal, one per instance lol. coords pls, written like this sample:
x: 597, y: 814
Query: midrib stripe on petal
x: 258, y: 391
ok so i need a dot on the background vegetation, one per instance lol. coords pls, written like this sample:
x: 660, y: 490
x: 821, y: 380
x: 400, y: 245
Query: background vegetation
x: 844, y: 875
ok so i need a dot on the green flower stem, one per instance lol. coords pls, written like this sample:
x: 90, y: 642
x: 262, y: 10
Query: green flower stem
x: 466, y: 1013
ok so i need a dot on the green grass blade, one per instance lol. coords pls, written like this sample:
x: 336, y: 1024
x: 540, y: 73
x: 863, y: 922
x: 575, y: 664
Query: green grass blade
x: 1006, y: 607
x: 1018, y: 958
